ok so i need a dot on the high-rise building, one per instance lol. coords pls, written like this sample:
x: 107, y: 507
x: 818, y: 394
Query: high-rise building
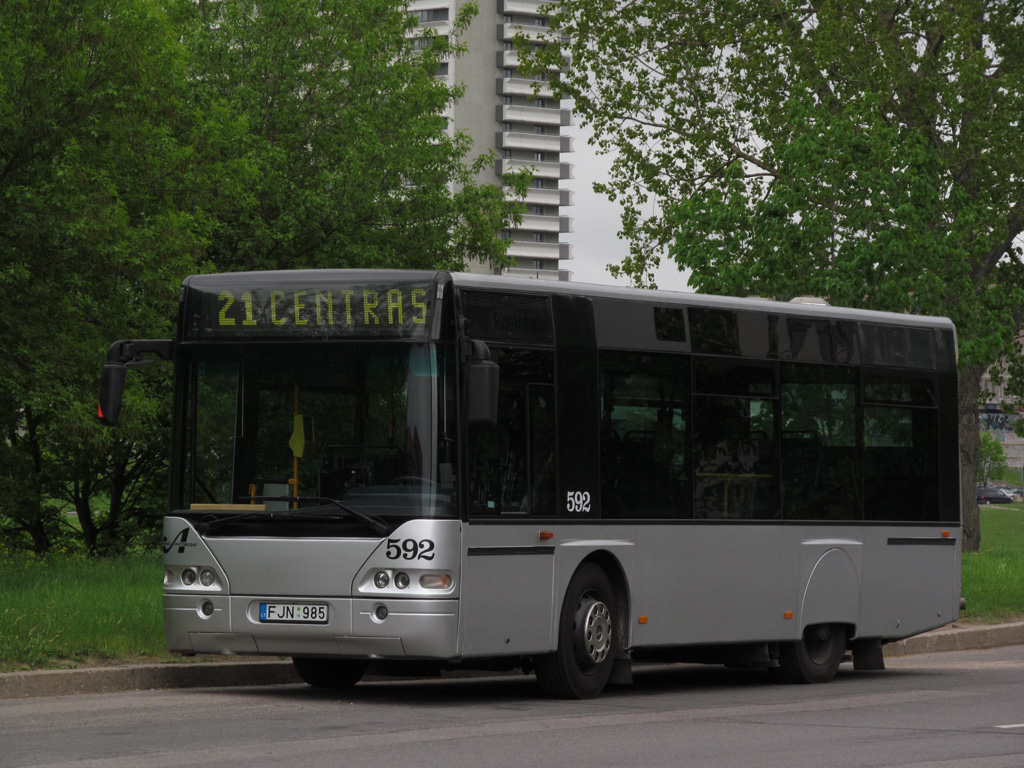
x: 504, y: 111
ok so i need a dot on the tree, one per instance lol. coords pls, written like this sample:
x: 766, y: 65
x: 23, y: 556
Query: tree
x: 143, y: 140
x: 992, y: 459
x: 332, y: 115
x: 866, y: 152
x: 97, y: 226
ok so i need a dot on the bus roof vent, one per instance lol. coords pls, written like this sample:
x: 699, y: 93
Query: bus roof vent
x: 809, y: 300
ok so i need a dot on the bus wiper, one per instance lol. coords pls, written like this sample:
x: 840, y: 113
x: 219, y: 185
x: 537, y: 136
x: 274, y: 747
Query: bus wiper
x: 207, y: 525
x: 371, y: 521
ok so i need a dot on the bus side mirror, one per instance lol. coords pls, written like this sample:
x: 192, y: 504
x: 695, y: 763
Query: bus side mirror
x: 482, y: 393
x: 111, y: 392
x: 121, y: 356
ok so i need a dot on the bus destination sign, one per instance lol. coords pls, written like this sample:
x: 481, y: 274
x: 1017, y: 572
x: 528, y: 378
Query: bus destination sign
x: 401, y: 310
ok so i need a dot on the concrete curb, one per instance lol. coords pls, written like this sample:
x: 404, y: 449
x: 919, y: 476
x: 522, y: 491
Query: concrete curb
x: 959, y: 637
x: 226, y: 674
x: 141, y: 677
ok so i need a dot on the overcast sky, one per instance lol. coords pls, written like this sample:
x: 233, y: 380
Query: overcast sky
x: 596, y: 222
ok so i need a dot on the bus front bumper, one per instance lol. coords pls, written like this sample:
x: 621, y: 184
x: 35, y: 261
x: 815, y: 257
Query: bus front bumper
x: 356, y: 628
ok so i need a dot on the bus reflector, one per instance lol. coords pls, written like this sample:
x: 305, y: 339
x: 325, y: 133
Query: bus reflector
x: 787, y: 615
x: 545, y: 535
x: 945, y: 534
x: 643, y: 619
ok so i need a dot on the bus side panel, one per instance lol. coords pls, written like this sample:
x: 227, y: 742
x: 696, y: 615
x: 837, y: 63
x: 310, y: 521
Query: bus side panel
x: 704, y: 584
x: 707, y: 584
x: 922, y: 592
x: 911, y: 581
x: 514, y: 584
x: 507, y: 591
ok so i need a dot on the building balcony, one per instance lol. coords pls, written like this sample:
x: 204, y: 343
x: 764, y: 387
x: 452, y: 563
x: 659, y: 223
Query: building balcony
x: 526, y: 250
x: 522, y: 7
x: 538, y: 274
x: 510, y: 60
x: 416, y: 6
x: 435, y: 14
x: 552, y: 224
x: 443, y: 28
x: 540, y: 170
x: 538, y: 142
x: 511, y: 113
x: 520, y: 86
x: 530, y: 32
x: 547, y: 197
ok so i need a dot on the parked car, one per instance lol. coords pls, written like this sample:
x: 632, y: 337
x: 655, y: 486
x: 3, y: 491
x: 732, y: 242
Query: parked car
x: 989, y: 495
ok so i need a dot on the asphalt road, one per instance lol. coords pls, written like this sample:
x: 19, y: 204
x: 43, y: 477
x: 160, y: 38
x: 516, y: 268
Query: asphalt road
x: 944, y: 710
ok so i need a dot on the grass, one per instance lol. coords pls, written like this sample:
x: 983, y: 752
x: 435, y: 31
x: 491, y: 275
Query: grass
x: 67, y: 610
x: 993, y: 578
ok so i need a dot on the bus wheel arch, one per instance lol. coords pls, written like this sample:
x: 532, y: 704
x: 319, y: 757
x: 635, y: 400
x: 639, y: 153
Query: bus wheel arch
x: 620, y: 588
x: 590, y: 626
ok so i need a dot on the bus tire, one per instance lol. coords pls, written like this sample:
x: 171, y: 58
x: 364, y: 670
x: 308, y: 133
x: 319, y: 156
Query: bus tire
x: 582, y: 663
x: 815, y: 658
x: 329, y: 673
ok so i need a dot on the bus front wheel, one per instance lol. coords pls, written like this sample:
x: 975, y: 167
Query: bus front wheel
x: 329, y: 673
x: 581, y: 665
x: 815, y: 657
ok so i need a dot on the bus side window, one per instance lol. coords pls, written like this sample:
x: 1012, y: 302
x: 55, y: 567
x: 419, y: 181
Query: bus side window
x: 644, y: 417
x: 736, y: 464
x: 821, y: 461
x: 511, y: 464
x: 900, y: 435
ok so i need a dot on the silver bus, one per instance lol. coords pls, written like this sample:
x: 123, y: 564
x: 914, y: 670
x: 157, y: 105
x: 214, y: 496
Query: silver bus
x: 417, y: 471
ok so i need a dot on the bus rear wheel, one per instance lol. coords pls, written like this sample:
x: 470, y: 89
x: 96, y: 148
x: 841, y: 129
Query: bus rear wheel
x: 815, y: 658
x: 581, y: 665
x: 329, y: 673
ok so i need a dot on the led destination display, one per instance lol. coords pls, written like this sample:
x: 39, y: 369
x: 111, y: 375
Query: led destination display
x: 402, y: 310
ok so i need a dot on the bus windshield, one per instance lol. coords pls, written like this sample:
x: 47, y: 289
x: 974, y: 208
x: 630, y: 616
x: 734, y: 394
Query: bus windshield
x: 290, y: 426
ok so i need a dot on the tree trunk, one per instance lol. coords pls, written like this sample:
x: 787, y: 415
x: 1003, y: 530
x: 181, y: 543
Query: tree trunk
x: 970, y: 451
x: 83, y: 508
x: 34, y: 514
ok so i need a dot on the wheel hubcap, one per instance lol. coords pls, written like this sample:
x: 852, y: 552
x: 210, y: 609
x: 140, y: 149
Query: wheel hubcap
x: 593, y: 632
x: 818, y: 642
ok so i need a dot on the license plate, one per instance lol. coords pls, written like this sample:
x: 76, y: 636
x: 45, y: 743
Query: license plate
x: 299, y: 613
